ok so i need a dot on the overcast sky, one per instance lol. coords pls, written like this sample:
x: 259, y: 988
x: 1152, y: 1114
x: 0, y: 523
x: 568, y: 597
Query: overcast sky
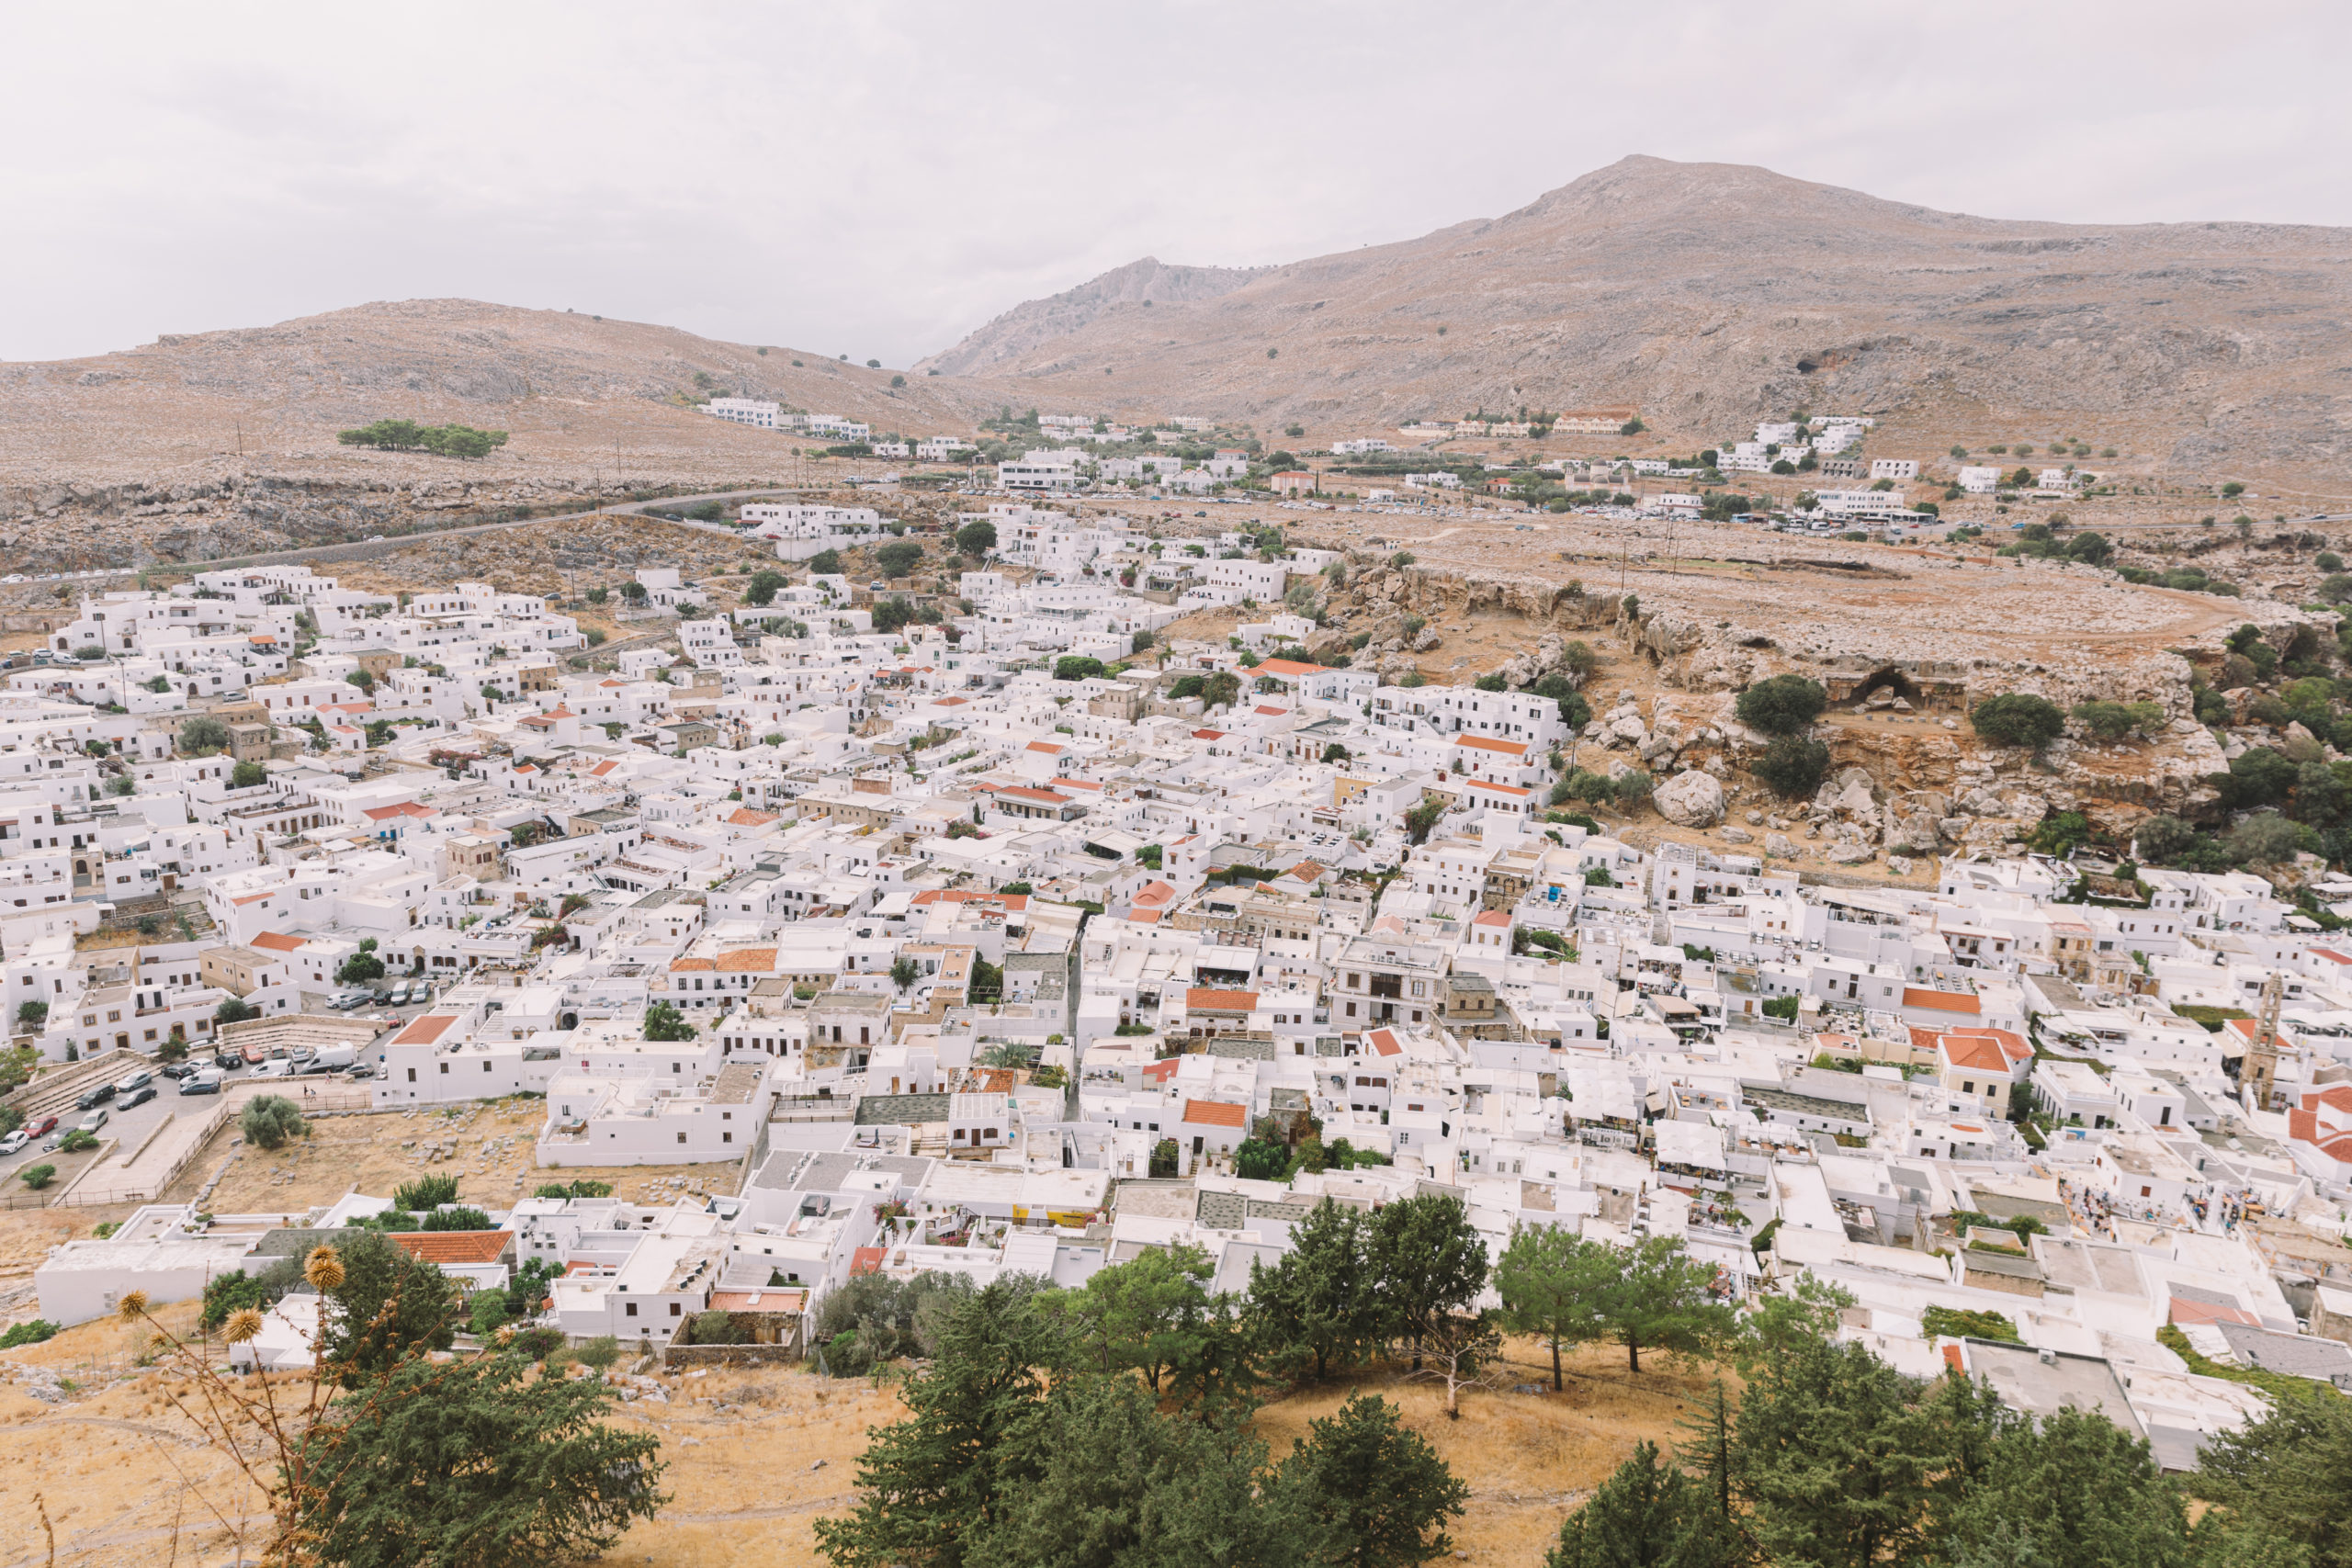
x: 876, y: 181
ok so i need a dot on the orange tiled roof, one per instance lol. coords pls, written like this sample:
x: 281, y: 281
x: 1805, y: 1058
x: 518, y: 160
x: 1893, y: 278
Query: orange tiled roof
x: 1215, y: 1113
x: 747, y: 961
x: 1205, y: 999
x: 277, y: 942
x: 426, y: 1030
x: 1941, y: 1001
x: 453, y: 1247
x: 691, y: 964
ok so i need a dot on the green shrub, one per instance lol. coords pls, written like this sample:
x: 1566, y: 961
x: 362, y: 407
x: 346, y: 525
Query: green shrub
x: 1792, y: 765
x: 1784, y: 705
x: 38, y: 1176
x: 2017, y: 719
x: 31, y: 1333
x: 426, y: 1192
x: 600, y: 1352
x: 460, y: 1217
x: 271, y: 1121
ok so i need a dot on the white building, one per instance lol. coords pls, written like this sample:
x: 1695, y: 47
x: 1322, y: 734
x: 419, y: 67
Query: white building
x: 744, y: 411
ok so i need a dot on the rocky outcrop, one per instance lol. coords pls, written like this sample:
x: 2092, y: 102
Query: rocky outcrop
x: 1691, y: 799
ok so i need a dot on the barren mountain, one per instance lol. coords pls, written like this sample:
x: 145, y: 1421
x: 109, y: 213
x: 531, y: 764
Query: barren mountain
x: 1013, y: 336
x: 576, y: 392
x: 1708, y: 294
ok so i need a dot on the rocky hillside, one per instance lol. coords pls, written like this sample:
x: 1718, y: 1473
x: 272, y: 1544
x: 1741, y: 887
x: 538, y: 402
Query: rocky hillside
x: 577, y: 393
x: 1708, y: 294
x: 1012, y: 338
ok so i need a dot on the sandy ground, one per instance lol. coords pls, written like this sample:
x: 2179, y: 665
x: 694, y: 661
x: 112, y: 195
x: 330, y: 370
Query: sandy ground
x: 757, y: 1457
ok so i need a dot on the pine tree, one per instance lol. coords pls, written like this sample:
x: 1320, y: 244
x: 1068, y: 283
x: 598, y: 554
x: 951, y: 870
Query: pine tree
x: 1426, y: 1260
x: 1646, y: 1516
x: 1114, y: 1482
x: 1553, y: 1282
x: 1360, y: 1491
x: 932, y: 1484
x: 1316, y: 1303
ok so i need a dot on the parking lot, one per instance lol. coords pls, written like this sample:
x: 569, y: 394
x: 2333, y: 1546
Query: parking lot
x: 124, y: 1129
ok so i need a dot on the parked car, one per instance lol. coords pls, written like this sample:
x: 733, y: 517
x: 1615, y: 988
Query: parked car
x: 206, y: 1081
x: 227, y: 1061
x: 139, y: 1096
x: 255, y: 1052
x: 139, y: 1079
x: 93, y: 1121
x: 176, y: 1069
x: 95, y: 1095
x: 275, y: 1067
x: 40, y: 1126
x: 344, y: 1001
x: 14, y: 1140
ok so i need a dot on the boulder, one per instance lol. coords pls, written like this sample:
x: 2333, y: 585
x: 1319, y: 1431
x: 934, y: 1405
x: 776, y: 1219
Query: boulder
x: 1899, y: 864
x: 1629, y: 727
x: 1738, y: 836
x: 1691, y: 799
x: 1851, y: 854
x: 1778, y: 846
x: 1915, y: 835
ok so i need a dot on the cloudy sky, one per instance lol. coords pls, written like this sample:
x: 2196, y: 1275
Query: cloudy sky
x: 877, y: 180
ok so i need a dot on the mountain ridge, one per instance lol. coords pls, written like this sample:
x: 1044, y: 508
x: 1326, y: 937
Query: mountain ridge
x: 1708, y: 294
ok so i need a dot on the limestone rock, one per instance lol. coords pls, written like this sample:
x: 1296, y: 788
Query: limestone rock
x: 1851, y: 854
x: 1778, y: 846
x: 1756, y: 818
x: 1691, y: 799
x: 1899, y: 864
x: 1738, y: 836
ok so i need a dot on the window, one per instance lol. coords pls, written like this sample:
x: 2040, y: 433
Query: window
x: 445, y: 1068
x: 411, y: 1075
x: 673, y: 1309
x: 631, y: 1310
x: 682, y: 1137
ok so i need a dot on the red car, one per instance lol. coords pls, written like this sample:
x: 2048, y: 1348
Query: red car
x: 41, y: 1128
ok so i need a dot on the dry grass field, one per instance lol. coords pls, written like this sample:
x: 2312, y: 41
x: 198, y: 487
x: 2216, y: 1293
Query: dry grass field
x: 754, y: 1457
x: 491, y: 1143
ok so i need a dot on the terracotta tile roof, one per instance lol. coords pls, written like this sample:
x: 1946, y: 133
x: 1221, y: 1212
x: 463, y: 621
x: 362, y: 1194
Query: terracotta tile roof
x: 277, y: 942
x: 772, y: 1299
x: 1291, y: 667
x: 691, y: 966
x: 744, y: 817
x: 1492, y: 918
x: 865, y: 1260
x: 406, y: 808
x: 453, y: 1247
x: 1939, y: 1002
x: 1012, y: 901
x: 2183, y: 1310
x: 1975, y: 1055
x: 1215, y: 1113
x: 1050, y: 749
x: 1480, y: 743
x: 2010, y: 1043
x: 747, y: 961
x: 1385, y: 1043
x: 1496, y: 788
x: 1202, y: 998
x: 1209, y: 734
x: 426, y: 1030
